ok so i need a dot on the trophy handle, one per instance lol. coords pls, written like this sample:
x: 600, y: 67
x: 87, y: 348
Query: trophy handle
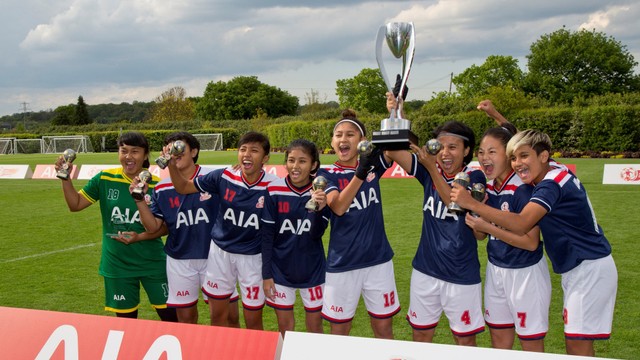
x: 407, y: 59
x: 382, y: 35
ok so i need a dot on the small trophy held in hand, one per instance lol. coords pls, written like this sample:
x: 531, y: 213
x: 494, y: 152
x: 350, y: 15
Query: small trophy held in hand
x: 477, y: 192
x: 365, y: 147
x: 138, y: 191
x: 177, y: 148
x: 68, y: 156
x: 319, y: 183
x: 434, y: 146
x: 463, y: 179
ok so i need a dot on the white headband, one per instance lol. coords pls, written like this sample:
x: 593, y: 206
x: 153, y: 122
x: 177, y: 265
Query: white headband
x: 455, y: 135
x: 351, y: 121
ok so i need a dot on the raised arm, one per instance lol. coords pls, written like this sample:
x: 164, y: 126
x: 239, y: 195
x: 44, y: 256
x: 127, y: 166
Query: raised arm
x: 490, y: 110
x: 150, y: 222
x: 180, y: 183
x: 75, y: 201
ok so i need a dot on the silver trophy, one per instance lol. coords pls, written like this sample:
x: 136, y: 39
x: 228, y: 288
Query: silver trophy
x: 138, y: 191
x: 319, y: 183
x: 434, y: 146
x: 477, y: 192
x: 68, y: 156
x: 463, y: 179
x: 177, y: 148
x: 365, y: 148
x: 395, y: 132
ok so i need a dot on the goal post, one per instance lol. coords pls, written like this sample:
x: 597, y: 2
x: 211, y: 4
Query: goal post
x: 209, y: 141
x: 28, y: 146
x: 7, y: 146
x: 58, y: 144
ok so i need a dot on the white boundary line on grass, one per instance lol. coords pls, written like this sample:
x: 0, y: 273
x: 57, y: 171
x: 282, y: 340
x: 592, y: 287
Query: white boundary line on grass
x: 47, y: 253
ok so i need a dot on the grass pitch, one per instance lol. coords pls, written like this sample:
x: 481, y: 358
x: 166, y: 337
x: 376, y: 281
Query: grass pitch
x: 49, y: 258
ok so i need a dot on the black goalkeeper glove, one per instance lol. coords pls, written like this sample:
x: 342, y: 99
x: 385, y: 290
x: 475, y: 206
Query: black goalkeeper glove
x: 368, y: 163
x: 396, y: 88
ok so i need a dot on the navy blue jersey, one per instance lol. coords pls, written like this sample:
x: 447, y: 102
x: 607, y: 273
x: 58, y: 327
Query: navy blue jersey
x: 570, y: 230
x: 292, y: 250
x: 511, y: 196
x: 189, y: 218
x: 357, y: 239
x: 448, y: 249
x: 237, y: 225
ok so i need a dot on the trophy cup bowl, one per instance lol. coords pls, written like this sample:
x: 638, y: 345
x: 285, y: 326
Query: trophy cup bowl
x: 477, y: 192
x: 395, y: 132
x: 68, y: 156
x: 138, y: 191
x: 319, y: 183
x: 177, y: 148
x: 365, y: 148
x: 463, y: 179
x: 434, y: 146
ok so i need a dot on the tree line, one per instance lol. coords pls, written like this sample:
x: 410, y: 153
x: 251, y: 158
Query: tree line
x: 564, y: 68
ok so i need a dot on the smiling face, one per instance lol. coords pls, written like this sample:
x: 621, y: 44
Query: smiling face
x: 251, y: 157
x: 132, y: 159
x: 530, y: 166
x: 451, y: 158
x: 299, y: 166
x: 344, y: 142
x: 492, y: 156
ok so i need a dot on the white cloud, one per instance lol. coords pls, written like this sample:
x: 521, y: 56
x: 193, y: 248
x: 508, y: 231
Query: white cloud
x: 118, y: 50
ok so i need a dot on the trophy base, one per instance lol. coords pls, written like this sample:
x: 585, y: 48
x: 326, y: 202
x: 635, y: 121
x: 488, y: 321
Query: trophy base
x: 399, y: 139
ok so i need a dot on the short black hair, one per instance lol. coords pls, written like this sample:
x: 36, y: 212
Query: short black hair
x: 256, y: 137
x: 134, y: 138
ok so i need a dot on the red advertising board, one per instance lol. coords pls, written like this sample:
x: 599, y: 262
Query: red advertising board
x: 37, y: 334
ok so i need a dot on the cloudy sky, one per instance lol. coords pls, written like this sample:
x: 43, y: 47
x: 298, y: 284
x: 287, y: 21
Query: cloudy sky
x: 112, y: 51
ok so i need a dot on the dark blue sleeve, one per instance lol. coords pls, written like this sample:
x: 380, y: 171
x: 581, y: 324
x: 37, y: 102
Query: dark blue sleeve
x: 268, y: 233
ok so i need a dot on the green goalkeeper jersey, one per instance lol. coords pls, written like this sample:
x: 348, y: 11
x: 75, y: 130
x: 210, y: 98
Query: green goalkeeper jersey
x: 120, y: 213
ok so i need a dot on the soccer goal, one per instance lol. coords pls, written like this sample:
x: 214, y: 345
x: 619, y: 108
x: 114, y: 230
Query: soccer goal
x: 209, y: 141
x: 7, y: 146
x: 58, y: 144
x: 28, y: 146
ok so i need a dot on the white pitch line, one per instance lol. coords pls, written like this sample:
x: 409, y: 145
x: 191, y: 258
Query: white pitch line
x: 47, y: 253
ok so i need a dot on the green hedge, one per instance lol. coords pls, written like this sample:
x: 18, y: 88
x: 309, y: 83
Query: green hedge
x: 594, y: 128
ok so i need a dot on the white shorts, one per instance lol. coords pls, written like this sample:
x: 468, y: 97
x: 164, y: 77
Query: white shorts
x: 589, y: 299
x: 376, y: 284
x: 185, y: 278
x: 520, y: 298
x: 462, y: 304
x: 224, y: 269
x: 286, y: 297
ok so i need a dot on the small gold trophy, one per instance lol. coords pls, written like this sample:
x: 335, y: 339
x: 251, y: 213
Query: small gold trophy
x: 477, y: 192
x: 138, y: 191
x: 177, y: 148
x: 318, y: 183
x: 434, y: 146
x: 463, y: 179
x: 68, y: 156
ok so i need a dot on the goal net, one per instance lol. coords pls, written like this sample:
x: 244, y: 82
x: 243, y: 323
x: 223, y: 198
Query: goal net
x: 28, y: 146
x: 209, y: 141
x: 7, y: 146
x: 58, y: 144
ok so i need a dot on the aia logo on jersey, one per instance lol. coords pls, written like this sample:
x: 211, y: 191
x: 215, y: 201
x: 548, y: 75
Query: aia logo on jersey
x: 260, y: 203
x: 504, y: 206
x: 205, y: 196
x: 371, y: 176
